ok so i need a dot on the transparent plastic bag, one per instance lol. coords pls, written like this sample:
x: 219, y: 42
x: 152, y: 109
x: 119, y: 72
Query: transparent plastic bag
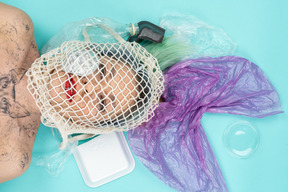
x: 188, y: 37
x: 193, y: 36
x: 74, y: 31
x: 101, y: 36
x: 53, y: 159
x: 204, y: 39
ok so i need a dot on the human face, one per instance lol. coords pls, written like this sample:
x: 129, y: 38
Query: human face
x: 105, y: 94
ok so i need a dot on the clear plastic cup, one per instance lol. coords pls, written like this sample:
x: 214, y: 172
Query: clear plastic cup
x: 241, y: 139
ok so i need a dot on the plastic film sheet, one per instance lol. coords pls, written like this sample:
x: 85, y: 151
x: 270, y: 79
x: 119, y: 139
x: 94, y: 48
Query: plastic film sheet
x: 173, y: 144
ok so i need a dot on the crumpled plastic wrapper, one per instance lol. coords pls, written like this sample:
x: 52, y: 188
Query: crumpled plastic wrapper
x: 74, y: 31
x: 173, y: 144
x: 188, y: 37
x: 205, y: 40
x: 53, y: 159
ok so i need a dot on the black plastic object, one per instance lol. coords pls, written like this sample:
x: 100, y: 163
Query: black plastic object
x: 148, y: 31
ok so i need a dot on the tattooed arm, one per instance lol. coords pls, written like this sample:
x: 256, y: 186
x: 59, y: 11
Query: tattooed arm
x: 19, y: 116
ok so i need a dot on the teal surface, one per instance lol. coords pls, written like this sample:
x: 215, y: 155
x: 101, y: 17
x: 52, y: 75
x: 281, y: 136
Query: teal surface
x: 259, y: 27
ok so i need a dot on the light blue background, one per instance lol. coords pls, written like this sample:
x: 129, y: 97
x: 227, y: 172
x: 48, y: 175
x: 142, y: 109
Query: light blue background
x: 259, y: 27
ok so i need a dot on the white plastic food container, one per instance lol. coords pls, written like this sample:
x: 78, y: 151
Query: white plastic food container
x: 104, y: 158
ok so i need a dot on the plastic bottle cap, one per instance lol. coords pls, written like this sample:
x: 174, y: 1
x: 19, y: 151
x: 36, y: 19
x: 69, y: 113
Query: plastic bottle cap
x: 241, y: 139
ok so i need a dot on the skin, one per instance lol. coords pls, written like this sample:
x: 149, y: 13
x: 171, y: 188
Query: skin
x: 19, y: 117
x: 99, y: 96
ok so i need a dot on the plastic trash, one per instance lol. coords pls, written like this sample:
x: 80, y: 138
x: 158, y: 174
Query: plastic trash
x: 205, y: 39
x: 93, y: 26
x: 173, y: 144
x: 188, y: 37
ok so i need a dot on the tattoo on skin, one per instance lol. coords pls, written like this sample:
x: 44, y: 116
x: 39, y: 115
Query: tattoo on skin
x: 13, y: 33
x: 33, y: 45
x: 19, y: 21
x: 24, y: 160
x: 18, y: 126
x: 27, y: 27
x: 6, y: 141
x: 8, y: 104
x: 8, y: 29
x: 4, y: 150
x: 9, y: 152
x: 30, y: 129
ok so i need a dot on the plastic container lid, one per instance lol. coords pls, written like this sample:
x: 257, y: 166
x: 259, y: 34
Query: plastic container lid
x: 104, y: 158
x: 241, y: 139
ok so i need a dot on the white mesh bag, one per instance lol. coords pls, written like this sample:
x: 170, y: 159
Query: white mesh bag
x: 84, y: 89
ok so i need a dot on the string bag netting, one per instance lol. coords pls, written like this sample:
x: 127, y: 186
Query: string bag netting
x: 84, y: 89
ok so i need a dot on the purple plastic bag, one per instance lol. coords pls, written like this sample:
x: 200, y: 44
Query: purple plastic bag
x: 173, y: 144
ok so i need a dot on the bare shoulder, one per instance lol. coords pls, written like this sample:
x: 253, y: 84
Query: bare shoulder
x: 16, y: 143
x: 14, y: 21
x: 16, y: 38
x: 19, y: 119
x: 19, y: 123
